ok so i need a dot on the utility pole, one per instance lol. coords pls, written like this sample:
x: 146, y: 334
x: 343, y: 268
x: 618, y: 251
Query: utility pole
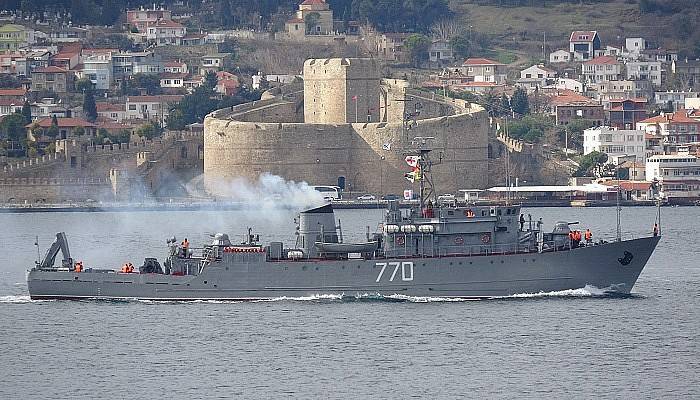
x: 544, y: 46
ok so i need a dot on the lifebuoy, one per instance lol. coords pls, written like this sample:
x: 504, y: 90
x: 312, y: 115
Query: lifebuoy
x: 459, y: 240
x: 400, y: 240
x: 486, y: 237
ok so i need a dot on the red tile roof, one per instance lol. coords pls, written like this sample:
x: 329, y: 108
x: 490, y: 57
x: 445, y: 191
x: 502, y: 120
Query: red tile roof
x: 107, y: 107
x: 172, y: 98
x: 602, y: 60
x: 312, y: 2
x: 480, y: 61
x: 9, y: 101
x: 51, y: 69
x: 13, y: 92
x: 173, y: 75
x: 569, y: 97
x: 165, y: 23
x: 578, y: 36
x: 678, y: 117
x: 62, y: 123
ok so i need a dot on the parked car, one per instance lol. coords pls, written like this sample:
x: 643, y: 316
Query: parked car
x: 366, y: 197
x: 391, y: 196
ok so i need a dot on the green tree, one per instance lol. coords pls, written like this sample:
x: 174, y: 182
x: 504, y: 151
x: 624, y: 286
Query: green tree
x: 89, y: 106
x: 519, y: 102
x: 417, y: 46
x: 83, y: 85
x: 310, y: 21
x: 149, y: 130
x: 79, y: 131
x: 229, y: 45
x: 8, y: 81
x: 53, y: 131
x: 27, y: 112
x: 147, y: 82
x: 110, y: 12
x: 210, y: 80
x: 13, y: 128
x: 591, y: 164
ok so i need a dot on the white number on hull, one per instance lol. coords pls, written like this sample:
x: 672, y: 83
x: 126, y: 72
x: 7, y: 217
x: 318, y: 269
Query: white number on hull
x: 406, y: 270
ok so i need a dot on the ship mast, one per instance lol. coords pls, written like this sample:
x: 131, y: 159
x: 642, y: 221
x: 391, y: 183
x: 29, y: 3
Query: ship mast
x: 426, y: 185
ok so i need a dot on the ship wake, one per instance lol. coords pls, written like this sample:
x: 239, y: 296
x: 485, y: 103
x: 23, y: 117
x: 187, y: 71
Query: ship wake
x: 586, y: 291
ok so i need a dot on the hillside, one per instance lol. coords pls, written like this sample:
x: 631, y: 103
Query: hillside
x: 523, y: 27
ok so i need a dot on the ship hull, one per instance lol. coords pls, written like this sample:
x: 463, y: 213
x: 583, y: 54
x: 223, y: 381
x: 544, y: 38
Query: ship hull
x: 613, y: 266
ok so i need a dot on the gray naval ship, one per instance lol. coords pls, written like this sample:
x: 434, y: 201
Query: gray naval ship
x: 444, y: 250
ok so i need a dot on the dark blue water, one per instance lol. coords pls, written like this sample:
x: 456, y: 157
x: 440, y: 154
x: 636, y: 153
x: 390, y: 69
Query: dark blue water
x: 552, y: 345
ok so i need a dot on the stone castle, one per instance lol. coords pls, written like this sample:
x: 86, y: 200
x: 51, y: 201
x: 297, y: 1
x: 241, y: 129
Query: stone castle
x: 80, y: 171
x: 346, y: 125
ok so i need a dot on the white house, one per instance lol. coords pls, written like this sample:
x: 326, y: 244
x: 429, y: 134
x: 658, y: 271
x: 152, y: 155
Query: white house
x: 536, y: 76
x: 150, y: 107
x: 678, y: 174
x: 213, y: 62
x: 677, y: 99
x: 440, y: 50
x: 98, y: 68
x: 618, y: 144
x: 173, y: 80
x: 634, y: 47
x: 165, y: 32
x: 601, y: 69
x: 644, y: 70
x: 567, y: 84
x: 559, y: 56
x: 583, y: 44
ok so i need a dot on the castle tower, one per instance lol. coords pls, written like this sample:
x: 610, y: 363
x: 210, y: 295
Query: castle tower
x: 341, y: 90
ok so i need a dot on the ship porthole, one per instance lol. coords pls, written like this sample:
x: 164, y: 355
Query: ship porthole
x: 491, y: 261
x: 502, y: 261
x: 205, y: 282
x: 226, y: 268
x: 316, y: 268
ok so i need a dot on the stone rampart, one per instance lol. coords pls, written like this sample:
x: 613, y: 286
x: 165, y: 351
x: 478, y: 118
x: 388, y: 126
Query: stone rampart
x: 370, y: 156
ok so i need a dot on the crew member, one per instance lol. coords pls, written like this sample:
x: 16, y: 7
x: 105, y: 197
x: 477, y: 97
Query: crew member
x: 571, y: 239
x: 588, y: 236
x: 578, y: 237
x: 656, y: 229
x: 186, y: 247
x: 522, y: 222
x: 79, y: 266
x: 125, y: 268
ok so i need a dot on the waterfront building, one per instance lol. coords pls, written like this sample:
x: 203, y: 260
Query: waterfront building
x: 620, y: 145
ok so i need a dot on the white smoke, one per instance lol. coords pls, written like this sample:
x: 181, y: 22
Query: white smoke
x: 271, y: 192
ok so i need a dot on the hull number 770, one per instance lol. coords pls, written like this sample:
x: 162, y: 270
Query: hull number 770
x: 393, y: 268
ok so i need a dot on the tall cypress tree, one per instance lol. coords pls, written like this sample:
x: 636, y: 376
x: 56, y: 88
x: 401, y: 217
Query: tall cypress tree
x: 27, y: 112
x: 89, y: 106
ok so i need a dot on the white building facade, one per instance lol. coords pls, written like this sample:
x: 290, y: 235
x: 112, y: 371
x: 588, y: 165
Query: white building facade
x: 620, y: 145
x: 678, y: 174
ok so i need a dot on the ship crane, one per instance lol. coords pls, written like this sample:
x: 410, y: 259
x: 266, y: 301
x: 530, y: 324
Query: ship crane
x: 59, y: 244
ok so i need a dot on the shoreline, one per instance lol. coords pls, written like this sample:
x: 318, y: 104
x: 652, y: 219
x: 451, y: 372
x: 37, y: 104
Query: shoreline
x: 342, y: 204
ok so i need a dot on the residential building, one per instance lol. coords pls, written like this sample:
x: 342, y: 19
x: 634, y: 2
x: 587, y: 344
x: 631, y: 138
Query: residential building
x: 535, y: 77
x: 165, y: 32
x: 173, y: 80
x: 227, y: 87
x: 176, y: 67
x: 47, y: 108
x: 618, y: 144
x: 111, y: 111
x: 674, y: 100
x: 194, y: 39
x: 602, y: 69
x: 56, y: 79
x: 126, y: 64
x: 98, y: 68
x: 440, y: 51
x: 692, y: 103
x: 610, y: 51
x: 10, y: 106
x: 213, y: 62
x: 625, y: 113
x: 390, y: 46
x: 14, y: 37
x: 66, y: 129
x: 68, y: 56
x: 566, y: 84
x: 13, y: 64
x: 677, y: 174
x: 142, y: 18
x: 484, y: 70
x: 559, y: 56
x: 644, y: 70
x: 567, y: 105
x: 623, y: 89
x: 583, y: 44
x: 675, y: 130
x: 67, y: 34
x: 633, y: 170
x: 663, y: 55
x: 320, y: 24
x: 154, y: 108
x: 634, y: 47
x: 687, y: 71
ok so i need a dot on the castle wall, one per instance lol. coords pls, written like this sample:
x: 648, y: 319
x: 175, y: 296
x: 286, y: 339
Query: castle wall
x: 369, y: 155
